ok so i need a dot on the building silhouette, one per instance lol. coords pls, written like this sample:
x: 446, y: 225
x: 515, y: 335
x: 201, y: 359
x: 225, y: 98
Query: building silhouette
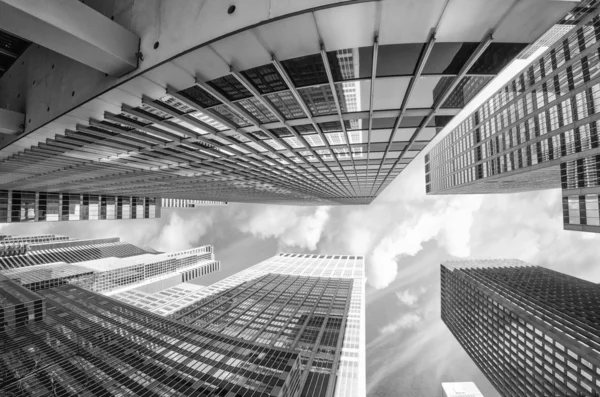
x: 539, y: 131
x: 532, y: 331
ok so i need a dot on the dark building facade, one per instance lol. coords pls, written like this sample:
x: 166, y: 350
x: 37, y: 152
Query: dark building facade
x: 307, y: 108
x: 540, y: 131
x: 305, y: 314
x: 67, y: 341
x: 532, y: 331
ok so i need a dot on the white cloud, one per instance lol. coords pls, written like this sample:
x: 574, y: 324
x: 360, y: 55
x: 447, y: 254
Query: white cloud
x: 405, y: 321
x: 293, y: 226
x: 407, y: 297
x: 182, y: 232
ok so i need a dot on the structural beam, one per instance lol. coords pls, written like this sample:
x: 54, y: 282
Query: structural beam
x: 74, y: 30
x: 483, y: 45
x: 11, y: 123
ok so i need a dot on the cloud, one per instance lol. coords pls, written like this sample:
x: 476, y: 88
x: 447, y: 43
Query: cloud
x: 407, y: 297
x: 408, y: 320
x: 293, y: 226
x: 182, y: 232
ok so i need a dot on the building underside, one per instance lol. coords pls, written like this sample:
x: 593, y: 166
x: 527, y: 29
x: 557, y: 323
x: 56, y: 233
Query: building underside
x: 270, y: 103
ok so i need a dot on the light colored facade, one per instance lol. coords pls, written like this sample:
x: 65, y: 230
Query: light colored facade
x: 351, y: 373
x: 539, y: 131
x: 460, y: 389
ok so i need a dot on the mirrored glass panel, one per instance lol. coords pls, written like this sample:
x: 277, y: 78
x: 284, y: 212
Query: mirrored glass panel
x: 286, y: 104
x: 398, y: 59
x: 319, y: 100
x: 466, y: 89
x: 389, y: 92
x: 201, y: 97
x: 448, y: 58
x: 307, y: 70
x: 265, y: 78
x: 354, y: 96
x: 496, y: 57
x: 258, y: 110
x: 230, y: 87
x: 351, y: 63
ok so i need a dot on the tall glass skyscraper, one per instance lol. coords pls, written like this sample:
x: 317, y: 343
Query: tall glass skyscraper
x: 292, y: 325
x: 313, y: 304
x: 460, y: 389
x: 532, y: 331
x: 539, y: 131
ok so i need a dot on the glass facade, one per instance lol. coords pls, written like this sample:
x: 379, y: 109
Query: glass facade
x: 182, y: 203
x: 539, y: 131
x: 306, y: 314
x: 273, y: 315
x: 88, y: 344
x: 288, y: 124
x: 531, y: 331
x: 27, y: 206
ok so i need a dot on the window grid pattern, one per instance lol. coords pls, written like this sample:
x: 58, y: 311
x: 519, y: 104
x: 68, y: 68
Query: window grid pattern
x: 212, y: 141
x: 92, y: 345
x: 28, y: 206
x: 548, y: 112
x: 351, y: 372
x: 307, y: 314
x: 531, y: 331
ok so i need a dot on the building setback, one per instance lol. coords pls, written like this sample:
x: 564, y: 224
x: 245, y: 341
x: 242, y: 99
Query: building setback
x: 540, y: 131
x: 283, y: 111
x: 531, y: 331
x: 105, y: 265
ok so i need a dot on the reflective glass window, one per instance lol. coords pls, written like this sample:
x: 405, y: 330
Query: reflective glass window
x: 230, y: 87
x: 265, y: 78
x: 227, y: 114
x: 200, y: 96
x: 496, y: 57
x: 319, y: 100
x: 350, y: 63
x: 427, y: 90
x: 389, y: 92
x: 398, y: 59
x: 287, y: 105
x: 307, y: 70
x: 448, y: 58
x: 466, y: 89
x: 258, y: 110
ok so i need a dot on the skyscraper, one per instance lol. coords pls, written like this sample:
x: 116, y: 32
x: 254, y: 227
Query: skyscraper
x: 532, y: 331
x: 301, y: 106
x: 460, y: 389
x: 539, y: 131
x: 70, y: 341
x: 313, y: 304
x: 292, y: 325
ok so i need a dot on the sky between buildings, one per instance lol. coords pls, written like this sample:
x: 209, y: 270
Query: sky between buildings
x: 404, y: 235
